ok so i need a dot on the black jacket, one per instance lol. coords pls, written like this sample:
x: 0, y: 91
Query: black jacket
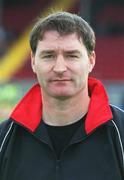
x: 94, y: 152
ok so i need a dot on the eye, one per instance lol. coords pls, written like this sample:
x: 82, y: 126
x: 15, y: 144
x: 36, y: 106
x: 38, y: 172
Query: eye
x: 48, y: 56
x: 72, y: 56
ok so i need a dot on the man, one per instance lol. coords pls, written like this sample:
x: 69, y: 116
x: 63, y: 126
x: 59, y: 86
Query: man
x: 64, y: 127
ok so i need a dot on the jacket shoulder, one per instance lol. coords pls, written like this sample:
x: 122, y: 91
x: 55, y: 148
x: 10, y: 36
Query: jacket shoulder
x: 4, y: 128
x: 118, y: 116
x: 118, y: 121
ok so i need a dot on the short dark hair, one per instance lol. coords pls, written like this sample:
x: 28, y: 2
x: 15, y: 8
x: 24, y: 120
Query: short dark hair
x: 64, y: 23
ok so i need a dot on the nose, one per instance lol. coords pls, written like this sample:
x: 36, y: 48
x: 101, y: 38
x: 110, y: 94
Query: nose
x: 60, y: 65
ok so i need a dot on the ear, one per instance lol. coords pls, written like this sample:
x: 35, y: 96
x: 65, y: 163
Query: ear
x: 92, y: 59
x: 33, y: 61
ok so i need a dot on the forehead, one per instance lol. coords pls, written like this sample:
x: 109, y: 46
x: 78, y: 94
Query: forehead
x: 53, y: 40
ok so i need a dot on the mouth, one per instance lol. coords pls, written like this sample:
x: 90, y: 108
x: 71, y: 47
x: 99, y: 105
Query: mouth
x: 60, y: 80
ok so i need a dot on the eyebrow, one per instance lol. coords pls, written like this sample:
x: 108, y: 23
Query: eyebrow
x: 47, y: 52
x: 73, y: 52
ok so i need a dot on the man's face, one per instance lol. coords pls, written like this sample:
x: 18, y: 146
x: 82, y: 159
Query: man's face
x: 62, y: 64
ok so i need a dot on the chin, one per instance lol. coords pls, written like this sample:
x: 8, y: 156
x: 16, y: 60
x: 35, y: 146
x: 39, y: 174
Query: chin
x: 62, y: 98
x: 61, y: 92
x: 61, y: 95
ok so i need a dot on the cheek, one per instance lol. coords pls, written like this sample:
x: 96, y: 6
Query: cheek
x: 81, y: 74
x: 80, y: 69
x: 39, y: 73
x: 44, y: 67
x: 40, y: 68
x: 43, y: 74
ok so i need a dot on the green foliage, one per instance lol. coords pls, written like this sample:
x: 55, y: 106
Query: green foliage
x: 10, y: 94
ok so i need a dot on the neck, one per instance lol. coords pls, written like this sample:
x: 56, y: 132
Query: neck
x: 63, y: 112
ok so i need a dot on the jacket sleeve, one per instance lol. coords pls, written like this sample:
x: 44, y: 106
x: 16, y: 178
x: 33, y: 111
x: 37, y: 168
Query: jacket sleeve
x: 4, y: 127
x: 118, y: 123
x: 118, y: 118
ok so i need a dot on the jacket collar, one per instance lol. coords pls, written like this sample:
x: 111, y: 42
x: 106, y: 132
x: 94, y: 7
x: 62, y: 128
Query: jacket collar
x: 28, y: 112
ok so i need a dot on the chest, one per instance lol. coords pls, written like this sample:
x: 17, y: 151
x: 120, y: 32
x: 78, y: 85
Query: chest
x: 93, y: 157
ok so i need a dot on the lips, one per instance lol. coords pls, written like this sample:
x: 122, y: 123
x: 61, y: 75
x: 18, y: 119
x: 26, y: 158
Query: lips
x: 60, y: 80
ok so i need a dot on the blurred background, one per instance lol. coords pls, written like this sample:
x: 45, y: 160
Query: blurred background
x: 16, y: 19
